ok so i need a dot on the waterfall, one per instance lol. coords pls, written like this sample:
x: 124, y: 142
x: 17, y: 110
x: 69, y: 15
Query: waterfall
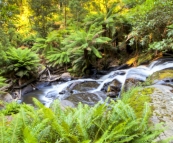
x: 140, y: 72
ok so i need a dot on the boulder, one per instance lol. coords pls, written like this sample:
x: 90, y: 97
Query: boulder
x: 82, y: 86
x: 131, y: 82
x: 86, y: 98
x: 66, y: 103
x: 114, y: 86
x: 134, y: 78
x: 27, y: 89
x: 65, y: 77
x: 6, y: 97
x: 163, y: 77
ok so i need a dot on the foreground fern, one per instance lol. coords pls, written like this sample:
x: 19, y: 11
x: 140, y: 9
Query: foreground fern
x: 103, y: 123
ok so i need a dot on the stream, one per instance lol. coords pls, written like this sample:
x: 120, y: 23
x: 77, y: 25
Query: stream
x: 90, y: 91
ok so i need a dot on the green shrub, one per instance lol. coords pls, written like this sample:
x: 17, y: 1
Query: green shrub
x: 104, y: 123
x: 21, y: 62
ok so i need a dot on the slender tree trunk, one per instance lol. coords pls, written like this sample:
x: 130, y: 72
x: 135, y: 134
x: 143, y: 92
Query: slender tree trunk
x: 65, y: 14
x: 86, y: 57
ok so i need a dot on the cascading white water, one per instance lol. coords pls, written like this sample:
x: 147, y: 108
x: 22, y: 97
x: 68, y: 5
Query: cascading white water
x: 140, y: 72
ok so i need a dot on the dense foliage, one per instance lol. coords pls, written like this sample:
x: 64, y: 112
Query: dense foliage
x: 86, y: 33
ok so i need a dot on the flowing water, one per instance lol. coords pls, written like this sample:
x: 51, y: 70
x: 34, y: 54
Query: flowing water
x: 60, y: 91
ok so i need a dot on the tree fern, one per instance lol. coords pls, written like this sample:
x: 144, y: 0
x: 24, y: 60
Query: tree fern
x: 58, y: 57
x: 22, y: 61
x: 79, y: 47
x: 45, y: 45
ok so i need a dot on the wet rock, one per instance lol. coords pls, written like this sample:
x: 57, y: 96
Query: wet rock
x: 27, y: 89
x: 62, y: 92
x: 51, y: 94
x: 102, y: 72
x: 65, y: 77
x: 112, y: 94
x: 114, y: 86
x: 6, y: 97
x: 112, y: 89
x: 86, y: 98
x: 113, y: 68
x: 105, y: 87
x: 72, y: 86
x: 66, y: 103
x: 121, y: 73
x: 83, y: 86
x: 129, y: 83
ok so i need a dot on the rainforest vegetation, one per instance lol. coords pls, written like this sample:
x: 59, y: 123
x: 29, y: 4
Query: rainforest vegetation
x: 77, y: 36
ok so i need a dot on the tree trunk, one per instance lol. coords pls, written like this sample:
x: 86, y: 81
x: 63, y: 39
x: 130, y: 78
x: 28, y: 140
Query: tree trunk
x: 86, y: 57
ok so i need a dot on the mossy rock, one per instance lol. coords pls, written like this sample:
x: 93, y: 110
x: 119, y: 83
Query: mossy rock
x: 131, y: 83
x: 165, y: 76
x: 137, y: 97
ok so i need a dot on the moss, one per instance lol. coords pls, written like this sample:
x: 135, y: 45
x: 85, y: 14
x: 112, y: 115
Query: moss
x: 159, y: 75
x: 137, y: 97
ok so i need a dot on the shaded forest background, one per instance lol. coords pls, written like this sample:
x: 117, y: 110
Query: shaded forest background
x: 80, y: 34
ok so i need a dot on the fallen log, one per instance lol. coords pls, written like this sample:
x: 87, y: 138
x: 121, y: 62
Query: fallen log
x: 25, y: 84
x: 50, y: 79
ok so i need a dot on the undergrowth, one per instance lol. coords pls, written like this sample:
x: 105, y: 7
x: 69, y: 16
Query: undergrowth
x: 116, y: 122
